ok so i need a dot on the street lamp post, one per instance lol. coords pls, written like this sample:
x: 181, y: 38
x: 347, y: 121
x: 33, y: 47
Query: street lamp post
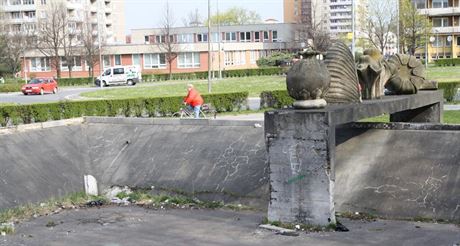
x: 99, y: 41
x: 209, y: 46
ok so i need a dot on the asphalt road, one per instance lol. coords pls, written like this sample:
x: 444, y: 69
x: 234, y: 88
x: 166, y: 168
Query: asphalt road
x: 63, y: 94
x: 126, y: 226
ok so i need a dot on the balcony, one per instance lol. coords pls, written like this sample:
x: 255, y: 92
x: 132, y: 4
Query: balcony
x: 446, y: 30
x: 18, y: 8
x: 441, y: 11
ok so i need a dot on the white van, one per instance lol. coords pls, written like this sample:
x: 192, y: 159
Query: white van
x: 129, y: 75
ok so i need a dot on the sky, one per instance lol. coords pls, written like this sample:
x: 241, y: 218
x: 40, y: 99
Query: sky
x: 149, y: 13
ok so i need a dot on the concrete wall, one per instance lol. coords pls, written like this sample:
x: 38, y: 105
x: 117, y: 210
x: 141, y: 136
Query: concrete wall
x: 388, y: 170
x: 36, y: 165
x: 399, y: 170
x: 221, y: 160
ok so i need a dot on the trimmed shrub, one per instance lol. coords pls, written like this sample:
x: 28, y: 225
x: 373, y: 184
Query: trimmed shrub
x: 136, y: 107
x: 447, y: 62
x: 10, y: 87
x: 450, y: 89
x: 225, y: 74
x: 75, y: 81
x: 275, y: 99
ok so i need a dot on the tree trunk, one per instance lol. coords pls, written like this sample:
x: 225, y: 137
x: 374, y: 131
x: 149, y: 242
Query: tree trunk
x: 170, y: 69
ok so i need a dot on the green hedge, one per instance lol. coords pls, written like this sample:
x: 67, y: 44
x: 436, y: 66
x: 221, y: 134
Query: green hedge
x: 275, y: 99
x: 10, y: 87
x: 225, y: 74
x: 75, y: 81
x: 138, y: 107
x: 450, y: 89
x: 447, y: 62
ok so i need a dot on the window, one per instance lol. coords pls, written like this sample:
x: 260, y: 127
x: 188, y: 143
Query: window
x: 458, y: 41
x: 256, y: 36
x: 146, y: 39
x: 419, y: 4
x: 232, y: 58
x: 230, y: 36
x: 160, y: 39
x: 39, y: 64
x: 254, y: 56
x: 441, y: 22
x: 75, y: 63
x: 438, y: 41
x: 266, y: 36
x: 117, y: 59
x: 202, y: 37
x: 245, y: 36
x: 447, y: 42
x: 28, y: 2
x: 185, y: 38
x: 106, y: 61
x: 16, y: 15
x: 137, y: 60
x: 108, y: 72
x: 440, y: 4
x: 189, y: 60
x: 275, y: 36
x: 215, y: 37
x: 154, y: 61
x: 118, y: 71
x: 43, y: 2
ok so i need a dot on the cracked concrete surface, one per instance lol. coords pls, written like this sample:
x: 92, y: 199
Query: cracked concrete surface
x: 126, y: 226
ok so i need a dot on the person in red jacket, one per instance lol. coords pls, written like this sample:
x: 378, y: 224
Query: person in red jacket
x: 193, y: 100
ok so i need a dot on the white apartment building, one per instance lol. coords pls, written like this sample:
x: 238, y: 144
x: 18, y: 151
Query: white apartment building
x: 105, y: 15
x: 335, y: 15
x: 341, y: 15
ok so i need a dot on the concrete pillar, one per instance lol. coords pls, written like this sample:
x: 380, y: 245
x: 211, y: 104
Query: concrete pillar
x: 301, y: 153
x: 431, y: 114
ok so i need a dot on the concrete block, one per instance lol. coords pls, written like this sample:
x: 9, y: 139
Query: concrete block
x: 299, y: 151
x: 90, y: 185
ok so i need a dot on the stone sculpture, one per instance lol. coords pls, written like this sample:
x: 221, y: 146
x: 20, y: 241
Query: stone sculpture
x: 408, y: 75
x: 401, y: 74
x: 308, y: 80
x: 344, y: 86
x: 373, y: 73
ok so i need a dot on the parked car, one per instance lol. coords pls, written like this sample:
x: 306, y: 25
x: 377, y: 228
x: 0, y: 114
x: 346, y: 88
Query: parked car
x: 40, y: 86
x: 129, y: 75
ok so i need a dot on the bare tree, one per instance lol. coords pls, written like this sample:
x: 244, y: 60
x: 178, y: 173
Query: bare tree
x: 69, y: 48
x: 381, y: 22
x: 53, y: 31
x: 167, y: 44
x: 193, y: 19
x: 90, y: 47
x: 13, y: 44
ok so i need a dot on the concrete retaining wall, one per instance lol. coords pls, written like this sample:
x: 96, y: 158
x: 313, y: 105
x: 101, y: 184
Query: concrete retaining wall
x: 389, y: 170
x: 219, y: 160
x: 413, y: 171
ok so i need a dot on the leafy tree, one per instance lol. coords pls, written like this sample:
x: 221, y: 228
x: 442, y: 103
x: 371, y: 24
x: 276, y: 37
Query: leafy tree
x: 236, y: 16
x: 414, y: 27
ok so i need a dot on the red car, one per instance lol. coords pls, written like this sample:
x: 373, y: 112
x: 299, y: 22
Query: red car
x: 40, y: 86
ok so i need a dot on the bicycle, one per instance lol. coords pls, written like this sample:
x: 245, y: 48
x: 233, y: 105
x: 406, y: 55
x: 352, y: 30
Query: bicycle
x: 188, y: 113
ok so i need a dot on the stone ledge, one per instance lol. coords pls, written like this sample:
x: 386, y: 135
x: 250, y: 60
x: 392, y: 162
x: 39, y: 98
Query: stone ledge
x: 39, y: 126
x: 171, y: 121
